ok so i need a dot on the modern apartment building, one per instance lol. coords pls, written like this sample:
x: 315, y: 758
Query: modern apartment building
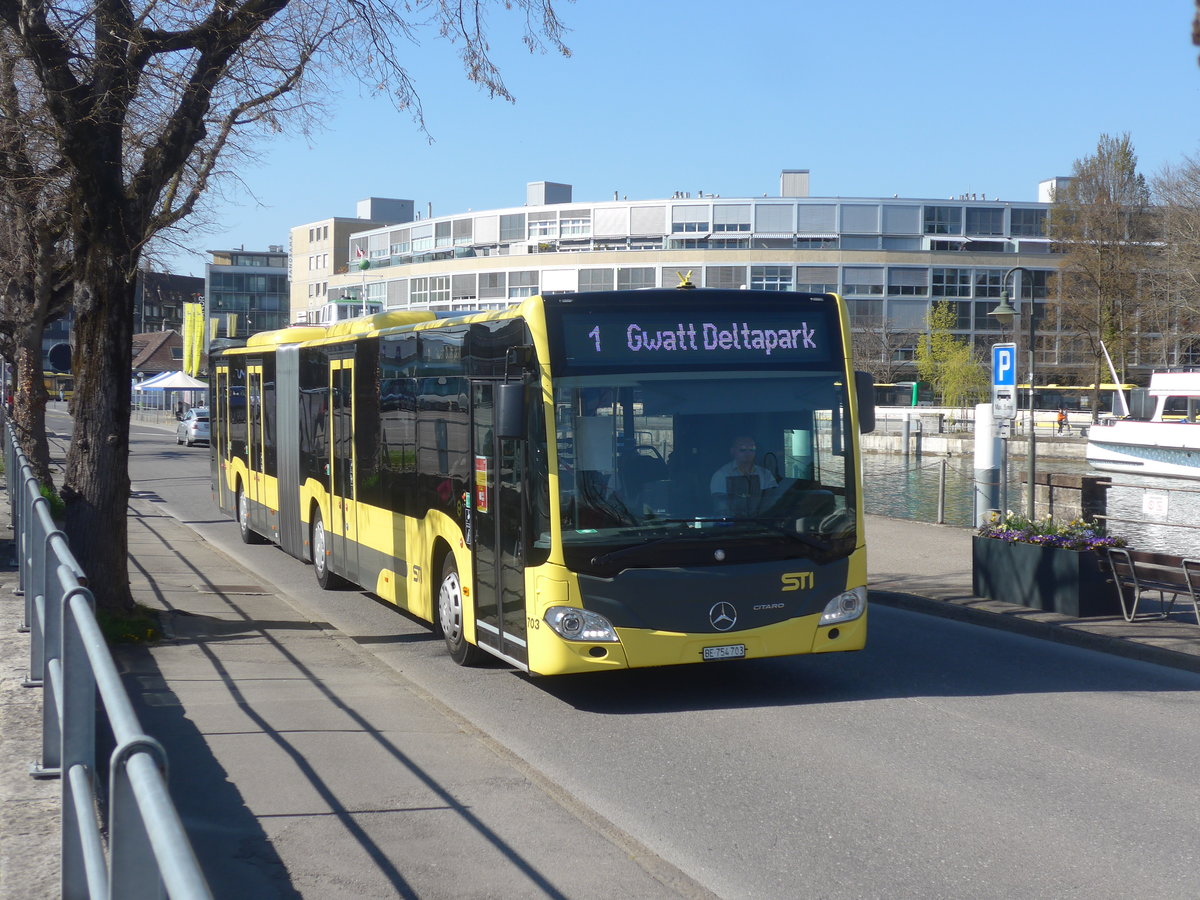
x: 890, y: 257
x: 246, y: 291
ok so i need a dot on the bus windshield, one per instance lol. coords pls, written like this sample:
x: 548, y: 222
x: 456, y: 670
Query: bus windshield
x: 669, y: 469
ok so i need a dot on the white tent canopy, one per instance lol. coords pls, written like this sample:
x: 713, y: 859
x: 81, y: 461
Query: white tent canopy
x: 172, y: 381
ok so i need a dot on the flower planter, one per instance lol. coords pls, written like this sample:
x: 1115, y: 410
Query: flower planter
x: 1072, y: 582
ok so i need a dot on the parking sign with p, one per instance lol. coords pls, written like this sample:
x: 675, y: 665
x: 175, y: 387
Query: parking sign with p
x: 1004, y: 381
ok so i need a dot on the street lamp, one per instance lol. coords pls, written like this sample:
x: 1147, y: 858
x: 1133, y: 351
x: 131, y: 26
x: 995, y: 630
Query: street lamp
x: 1005, y: 314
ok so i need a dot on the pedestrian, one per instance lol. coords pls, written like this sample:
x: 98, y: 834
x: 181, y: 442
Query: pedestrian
x: 1063, y: 424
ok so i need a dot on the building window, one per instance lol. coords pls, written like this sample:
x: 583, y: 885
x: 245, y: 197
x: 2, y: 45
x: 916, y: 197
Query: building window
x: 732, y: 218
x: 1028, y: 222
x: 492, y: 284
x: 816, y: 279
x: 952, y: 282
x: 865, y: 313
x: 863, y: 280
x: 908, y: 282
x: 728, y: 277
x: 422, y: 238
x: 463, y: 286
x: 1039, y: 284
x: 987, y: 283
x: 771, y: 278
x: 522, y: 284
x: 983, y: 321
x: 690, y: 220
x: 816, y: 243
x: 595, y: 280
x: 639, y: 243
x: 578, y: 224
x: 439, y: 289
x: 419, y: 295
x: 943, y: 220
x: 985, y: 220
x: 860, y: 242
x: 543, y: 226
x: 635, y: 278
x: 512, y: 227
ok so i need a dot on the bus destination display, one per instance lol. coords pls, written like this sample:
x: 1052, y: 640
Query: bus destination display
x: 624, y: 339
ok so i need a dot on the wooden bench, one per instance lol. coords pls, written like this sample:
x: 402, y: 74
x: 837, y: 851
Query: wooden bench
x: 1137, y: 572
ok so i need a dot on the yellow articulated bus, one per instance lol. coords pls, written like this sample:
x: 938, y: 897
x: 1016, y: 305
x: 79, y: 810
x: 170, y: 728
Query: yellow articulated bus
x: 580, y: 482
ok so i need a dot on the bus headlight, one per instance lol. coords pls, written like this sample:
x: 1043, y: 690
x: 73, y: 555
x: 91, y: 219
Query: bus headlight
x: 845, y: 607
x: 576, y: 624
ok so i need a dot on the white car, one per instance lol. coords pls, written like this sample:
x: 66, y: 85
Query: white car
x: 193, y: 426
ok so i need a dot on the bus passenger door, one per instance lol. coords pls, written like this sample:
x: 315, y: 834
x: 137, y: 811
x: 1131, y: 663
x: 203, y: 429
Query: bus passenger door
x: 499, y: 536
x: 343, y: 516
x: 219, y: 437
x: 255, y: 490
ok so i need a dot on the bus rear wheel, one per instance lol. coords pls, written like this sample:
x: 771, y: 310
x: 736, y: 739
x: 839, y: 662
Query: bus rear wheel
x: 242, y: 504
x: 450, y: 616
x: 319, y: 542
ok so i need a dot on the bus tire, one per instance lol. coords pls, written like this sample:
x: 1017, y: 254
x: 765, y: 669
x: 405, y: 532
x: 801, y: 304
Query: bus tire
x: 450, y: 616
x: 241, y: 505
x: 318, y: 542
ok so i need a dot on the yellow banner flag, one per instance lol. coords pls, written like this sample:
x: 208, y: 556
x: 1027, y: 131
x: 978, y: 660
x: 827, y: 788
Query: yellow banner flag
x: 198, y: 341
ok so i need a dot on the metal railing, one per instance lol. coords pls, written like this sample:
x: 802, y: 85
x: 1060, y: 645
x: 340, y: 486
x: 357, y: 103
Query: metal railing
x: 148, y: 854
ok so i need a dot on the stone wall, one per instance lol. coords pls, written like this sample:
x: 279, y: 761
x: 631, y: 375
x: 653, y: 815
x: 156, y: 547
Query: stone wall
x: 1067, y: 497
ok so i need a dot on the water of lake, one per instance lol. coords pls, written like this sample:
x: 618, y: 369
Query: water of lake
x: 1160, y: 514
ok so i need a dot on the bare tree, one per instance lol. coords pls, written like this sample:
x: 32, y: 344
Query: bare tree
x: 877, y: 350
x: 34, y: 282
x: 1171, y: 317
x: 1101, y: 223
x: 145, y: 97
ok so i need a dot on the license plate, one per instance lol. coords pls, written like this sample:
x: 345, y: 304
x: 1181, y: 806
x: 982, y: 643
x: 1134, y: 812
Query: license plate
x: 729, y: 651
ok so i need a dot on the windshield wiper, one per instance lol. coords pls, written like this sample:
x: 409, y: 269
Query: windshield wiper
x: 800, y: 537
x: 613, y: 555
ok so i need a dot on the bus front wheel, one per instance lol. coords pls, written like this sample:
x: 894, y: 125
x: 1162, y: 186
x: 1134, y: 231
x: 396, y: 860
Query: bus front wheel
x: 319, y: 542
x: 450, y: 616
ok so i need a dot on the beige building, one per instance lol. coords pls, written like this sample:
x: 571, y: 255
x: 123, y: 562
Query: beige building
x: 320, y: 252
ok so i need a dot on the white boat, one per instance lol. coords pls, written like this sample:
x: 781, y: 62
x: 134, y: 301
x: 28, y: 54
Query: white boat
x: 1166, y: 444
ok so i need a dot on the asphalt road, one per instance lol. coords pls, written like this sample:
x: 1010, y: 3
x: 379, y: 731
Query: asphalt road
x: 946, y: 760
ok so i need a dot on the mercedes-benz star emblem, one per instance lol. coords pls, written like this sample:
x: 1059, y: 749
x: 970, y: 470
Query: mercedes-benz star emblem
x: 723, y: 616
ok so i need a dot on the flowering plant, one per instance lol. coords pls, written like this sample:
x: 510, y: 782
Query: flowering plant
x: 1077, y: 534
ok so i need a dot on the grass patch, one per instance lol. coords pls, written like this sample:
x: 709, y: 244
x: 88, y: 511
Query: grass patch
x: 58, y: 508
x: 140, y: 628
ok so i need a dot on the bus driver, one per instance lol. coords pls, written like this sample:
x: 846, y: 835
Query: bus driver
x: 739, y: 486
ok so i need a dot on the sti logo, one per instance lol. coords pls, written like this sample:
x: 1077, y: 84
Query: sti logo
x: 796, y: 581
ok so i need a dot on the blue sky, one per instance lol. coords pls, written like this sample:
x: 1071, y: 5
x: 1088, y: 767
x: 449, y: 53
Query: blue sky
x: 924, y: 99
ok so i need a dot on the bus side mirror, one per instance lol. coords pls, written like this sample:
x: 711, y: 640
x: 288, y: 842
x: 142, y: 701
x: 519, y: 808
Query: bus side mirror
x: 864, y: 387
x: 510, y: 410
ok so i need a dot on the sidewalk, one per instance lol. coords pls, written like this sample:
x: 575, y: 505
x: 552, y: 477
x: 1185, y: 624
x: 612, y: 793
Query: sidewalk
x: 303, y: 767
x: 927, y: 568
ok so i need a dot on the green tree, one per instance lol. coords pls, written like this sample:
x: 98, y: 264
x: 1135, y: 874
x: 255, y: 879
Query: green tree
x: 144, y: 98
x: 1102, y: 225
x: 948, y: 362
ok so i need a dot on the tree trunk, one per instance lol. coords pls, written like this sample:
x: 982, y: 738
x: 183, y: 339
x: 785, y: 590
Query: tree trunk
x: 29, y: 405
x: 96, y: 488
